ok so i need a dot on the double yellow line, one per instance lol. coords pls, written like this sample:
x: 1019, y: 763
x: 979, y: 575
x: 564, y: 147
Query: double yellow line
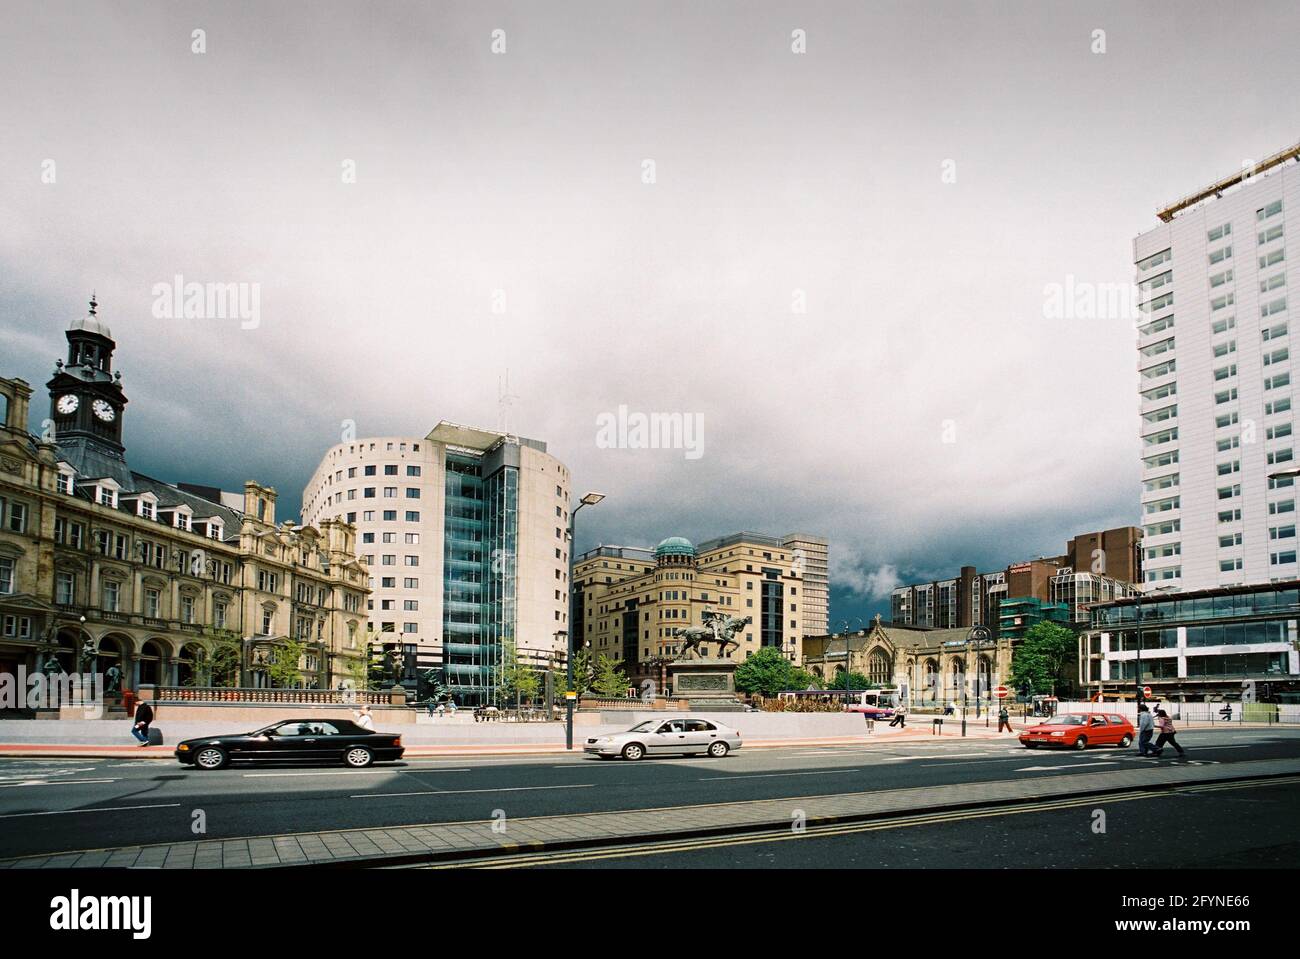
x: 668, y: 847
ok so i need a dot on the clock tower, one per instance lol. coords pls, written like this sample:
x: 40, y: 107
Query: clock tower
x: 86, y: 399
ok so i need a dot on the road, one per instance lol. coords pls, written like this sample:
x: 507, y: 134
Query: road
x: 62, y: 805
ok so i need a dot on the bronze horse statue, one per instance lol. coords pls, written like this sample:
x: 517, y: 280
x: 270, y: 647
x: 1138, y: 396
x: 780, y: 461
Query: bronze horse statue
x: 716, y: 629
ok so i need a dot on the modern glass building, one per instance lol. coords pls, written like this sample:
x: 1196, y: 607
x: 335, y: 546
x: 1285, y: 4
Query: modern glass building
x: 1216, y: 642
x: 465, y: 535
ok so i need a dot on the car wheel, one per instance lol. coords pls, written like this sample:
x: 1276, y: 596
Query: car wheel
x: 1126, y: 742
x: 633, y: 751
x: 358, y: 757
x: 210, y: 757
x: 718, y: 749
x: 1081, y: 742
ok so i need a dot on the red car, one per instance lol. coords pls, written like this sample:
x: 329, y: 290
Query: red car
x: 1079, y: 731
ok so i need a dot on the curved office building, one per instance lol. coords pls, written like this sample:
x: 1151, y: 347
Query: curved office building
x: 463, y: 532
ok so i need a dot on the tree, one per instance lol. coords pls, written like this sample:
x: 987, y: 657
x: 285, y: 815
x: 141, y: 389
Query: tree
x: 1046, y: 660
x: 224, y: 659
x: 768, y: 672
x: 610, y: 680
x: 284, y: 667
x: 855, y: 681
x: 517, y: 678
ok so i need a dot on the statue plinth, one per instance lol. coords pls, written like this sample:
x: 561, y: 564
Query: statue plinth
x: 707, y: 685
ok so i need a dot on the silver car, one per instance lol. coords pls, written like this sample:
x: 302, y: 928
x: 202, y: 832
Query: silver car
x: 661, y: 737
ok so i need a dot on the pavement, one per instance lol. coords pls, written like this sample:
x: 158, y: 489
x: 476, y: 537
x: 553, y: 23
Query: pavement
x: 104, y: 812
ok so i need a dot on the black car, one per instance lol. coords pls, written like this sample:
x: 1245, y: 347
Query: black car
x: 294, y: 740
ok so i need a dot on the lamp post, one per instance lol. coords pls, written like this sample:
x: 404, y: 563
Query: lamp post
x: 844, y: 628
x: 588, y: 499
x: 979, y: 635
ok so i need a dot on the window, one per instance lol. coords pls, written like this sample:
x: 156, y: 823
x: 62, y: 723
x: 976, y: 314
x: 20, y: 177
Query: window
x: 412, y: 516
x: 1229, y: 565
x: 1277, y: 406
x: 1225, y: 372
x: 412, y: 492
x: 1272, y: 282
x: 16, y: 520
x: 1164, y: 256
x: 151, y: 597
x: 1269, y: 235
x: 390, y: 469
x: 1274, y: 382
x: 1230, y: 516
x: 1222, y: 302
x: 412, y: 471
x: 219, y: 615
x: 65, y: 588
x: 6, y: 575
x: 1232, y: 539
x: 1273, y: 307
x: 1219, y: 232
x: 1223, y: 325
x: 390, y: 492
x: 112, y: 595
x: 1270, y: 258
x: 1224, y: 348
x: 1273, y: 209
x: 1221, y: 254
x: 1273, y: 332
x: 1218, y: 279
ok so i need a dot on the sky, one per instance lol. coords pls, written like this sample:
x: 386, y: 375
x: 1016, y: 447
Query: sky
x: 823, y: 234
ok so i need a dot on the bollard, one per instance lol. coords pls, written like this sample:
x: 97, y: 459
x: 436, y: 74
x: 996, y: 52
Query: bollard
x: 937, y: 728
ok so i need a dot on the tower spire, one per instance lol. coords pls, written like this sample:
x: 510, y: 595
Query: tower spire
x: 93, y: 304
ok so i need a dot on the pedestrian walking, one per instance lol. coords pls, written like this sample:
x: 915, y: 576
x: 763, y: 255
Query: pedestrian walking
x: 364, y: 719
x: 1226, y: 712
x: 441, y: 710
x: 1004, y: 718
x: 428, y: 705
x: 1146, y: 728
x: 143, y: 720
x: 900, y: 716
x: 1167, y: 732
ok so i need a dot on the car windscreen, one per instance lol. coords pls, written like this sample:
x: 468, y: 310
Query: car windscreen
x: 643, y: 727
x: 1069, y: 719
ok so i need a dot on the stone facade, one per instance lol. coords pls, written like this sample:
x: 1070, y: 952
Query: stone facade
x: 927, y: 666
x: 106, y: 570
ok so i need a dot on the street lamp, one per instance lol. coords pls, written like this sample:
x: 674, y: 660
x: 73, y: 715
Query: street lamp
x: 844, y: 628
x: 588, y: 499
x: 979, y: 635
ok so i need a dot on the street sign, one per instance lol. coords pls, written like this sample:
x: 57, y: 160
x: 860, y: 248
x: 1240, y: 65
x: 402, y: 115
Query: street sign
x: 1146, y: 691
x: 570, y: 696
x: 1001, y: 692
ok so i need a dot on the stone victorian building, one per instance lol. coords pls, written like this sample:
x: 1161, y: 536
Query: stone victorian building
x: 927, y: 666
x: 104, y: 569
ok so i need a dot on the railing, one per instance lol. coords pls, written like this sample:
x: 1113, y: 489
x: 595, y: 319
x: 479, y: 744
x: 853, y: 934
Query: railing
x: 302, y: 697
x: 597, y: 702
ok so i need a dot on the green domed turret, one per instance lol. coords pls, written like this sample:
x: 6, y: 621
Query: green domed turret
x: 675, y: 546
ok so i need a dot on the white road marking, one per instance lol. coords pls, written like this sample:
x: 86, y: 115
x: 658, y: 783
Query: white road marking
x: 57, y: 782
x: 73, y: 812
x: 814, y: 772
x: 345, y: 772
x: 458, y: 792
x: 1039, y: 769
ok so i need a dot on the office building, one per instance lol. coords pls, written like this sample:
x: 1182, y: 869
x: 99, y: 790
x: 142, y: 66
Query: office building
x: 464, y: 532
x: 1094, y: 567
x: 632, y: 600
x: 1216, y: 385
x: 1235, y: 642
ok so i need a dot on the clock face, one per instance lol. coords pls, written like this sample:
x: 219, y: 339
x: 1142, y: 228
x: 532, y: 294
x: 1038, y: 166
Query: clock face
x: 104, y: 410
x: 67, y: 404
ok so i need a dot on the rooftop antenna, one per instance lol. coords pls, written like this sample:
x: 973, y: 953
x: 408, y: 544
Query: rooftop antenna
x: 93, y: 304
x: 504, y: 400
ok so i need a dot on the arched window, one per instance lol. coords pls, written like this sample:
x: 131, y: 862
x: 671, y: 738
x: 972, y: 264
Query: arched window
x: 880, y: 667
